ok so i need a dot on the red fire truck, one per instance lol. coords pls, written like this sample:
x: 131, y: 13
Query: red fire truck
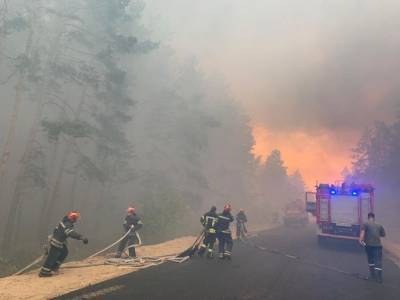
x: 340, y: 209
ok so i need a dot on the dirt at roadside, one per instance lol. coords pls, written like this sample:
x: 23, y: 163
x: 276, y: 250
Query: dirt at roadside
x: 30, y: 286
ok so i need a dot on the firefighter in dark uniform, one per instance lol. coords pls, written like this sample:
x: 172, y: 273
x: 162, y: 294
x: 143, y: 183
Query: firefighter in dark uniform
x: 224, y: 233
x: 131, y: 223
x: 209, y: 221
x: 58, y: 244
x: 241, y: 219
x: 370, y: 238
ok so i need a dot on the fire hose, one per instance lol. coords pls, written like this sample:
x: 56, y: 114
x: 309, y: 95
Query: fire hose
x: 117, y: 242
x: 139, y: 263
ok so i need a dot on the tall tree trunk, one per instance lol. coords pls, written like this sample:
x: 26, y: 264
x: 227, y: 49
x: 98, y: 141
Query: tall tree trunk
x: 6, y: 154
x: 49, y: 204
x: 72, y: 191
x: 9, y: 231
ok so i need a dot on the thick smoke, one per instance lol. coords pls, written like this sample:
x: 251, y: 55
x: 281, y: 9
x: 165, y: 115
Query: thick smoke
x: 296, y: 66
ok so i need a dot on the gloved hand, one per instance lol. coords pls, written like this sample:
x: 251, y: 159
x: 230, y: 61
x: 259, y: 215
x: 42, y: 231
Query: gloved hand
x: 85, y: 241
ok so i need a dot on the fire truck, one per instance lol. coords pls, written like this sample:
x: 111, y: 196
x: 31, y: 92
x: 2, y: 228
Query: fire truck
x: 340, y: 209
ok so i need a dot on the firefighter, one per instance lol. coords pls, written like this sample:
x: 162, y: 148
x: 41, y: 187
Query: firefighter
x: 58, y: 250
x: 370, y: 238
x: 132, y: 223
x: 241, y: 219
x: 209, y: 221
x: 224, y: 233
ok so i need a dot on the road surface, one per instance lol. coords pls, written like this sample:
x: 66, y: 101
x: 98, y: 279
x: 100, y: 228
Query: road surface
x: 308, y: 272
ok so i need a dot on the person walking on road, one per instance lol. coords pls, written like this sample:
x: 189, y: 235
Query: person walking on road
x: 224, y: 233
x: 58, y: 250
x: 241, y: 219
x: 370, y: 238
x: 209, y: 221
x: 131, y: 224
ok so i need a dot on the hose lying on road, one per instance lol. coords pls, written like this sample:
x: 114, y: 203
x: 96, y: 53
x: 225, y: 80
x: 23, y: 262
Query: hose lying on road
x: 314, y: 264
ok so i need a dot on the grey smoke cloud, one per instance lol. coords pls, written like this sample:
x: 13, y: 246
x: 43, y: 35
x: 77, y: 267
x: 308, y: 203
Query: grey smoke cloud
x: 304, y: 65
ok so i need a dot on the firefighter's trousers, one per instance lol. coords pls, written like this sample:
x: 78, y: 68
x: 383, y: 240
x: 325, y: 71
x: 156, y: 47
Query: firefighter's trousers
x: 240, y: 230
x: 54, y: 259
x: 208, y: 243
x: 374, y: 256
x: 130, y: 239
x: 225, y: 244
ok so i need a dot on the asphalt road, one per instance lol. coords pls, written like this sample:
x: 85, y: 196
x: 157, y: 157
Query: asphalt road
x: 309, y: 272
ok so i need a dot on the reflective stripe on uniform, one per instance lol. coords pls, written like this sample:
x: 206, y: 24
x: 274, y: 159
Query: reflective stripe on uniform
x: 225, y: 218
x: 68, y: 231
x: 63, y: 225
x: 56, y: 243
x: 378, y: 269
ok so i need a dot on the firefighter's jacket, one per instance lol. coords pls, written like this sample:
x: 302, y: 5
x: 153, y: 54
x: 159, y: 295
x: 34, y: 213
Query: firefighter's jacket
x: 209, y: 222
x: 132, y: 220
x: 223, y: 222
x: 64, y: 230
x: 241, y: 217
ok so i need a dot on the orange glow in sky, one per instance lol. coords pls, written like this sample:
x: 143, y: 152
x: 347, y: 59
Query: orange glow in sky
x: 318, y: 157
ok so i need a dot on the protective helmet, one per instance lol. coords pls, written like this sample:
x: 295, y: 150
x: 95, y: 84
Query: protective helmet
x: 74, y: 215
x: 131, y: 210
x: 213, y: 208
x: 227, y: 207
x: 241, y: 210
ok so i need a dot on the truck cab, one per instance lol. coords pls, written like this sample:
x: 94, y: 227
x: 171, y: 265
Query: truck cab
x: 340, y: 209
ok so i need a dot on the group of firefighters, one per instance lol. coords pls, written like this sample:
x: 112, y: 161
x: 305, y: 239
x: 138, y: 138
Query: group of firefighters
x: 215, y: 226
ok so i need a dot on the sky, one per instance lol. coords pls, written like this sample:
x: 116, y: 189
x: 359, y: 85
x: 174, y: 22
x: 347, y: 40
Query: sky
x: 312, y: 75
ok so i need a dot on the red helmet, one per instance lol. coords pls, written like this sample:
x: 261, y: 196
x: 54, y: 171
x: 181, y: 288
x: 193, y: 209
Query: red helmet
x: 74, y: 215
x: 131, y: 210
x: 227, y: 207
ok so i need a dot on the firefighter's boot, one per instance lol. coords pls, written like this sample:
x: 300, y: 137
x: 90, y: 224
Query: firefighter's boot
x: 372, y: 273
x: 210, y: 254
x: 221, y: 255
x: 228, y: 255
x: 379, y: 278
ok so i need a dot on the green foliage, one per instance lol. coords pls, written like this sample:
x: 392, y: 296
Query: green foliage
x: 75, y: 129
x: 165, y: 215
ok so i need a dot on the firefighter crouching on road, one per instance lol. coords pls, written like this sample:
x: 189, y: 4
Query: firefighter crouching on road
x: 131, y: 223
x: 209, y: 221
x: 370, y: 237
x: 58, y: 244
x: 241, y: 219
x: 224, y: 233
